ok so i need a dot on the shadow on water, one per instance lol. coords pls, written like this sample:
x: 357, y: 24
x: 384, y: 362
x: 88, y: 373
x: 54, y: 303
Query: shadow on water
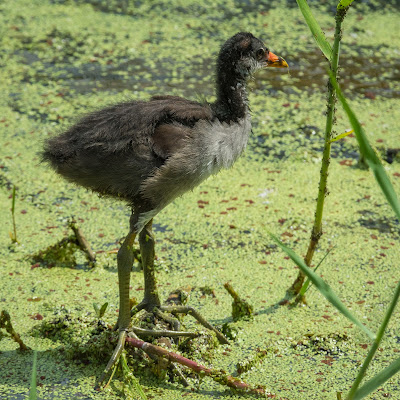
x: 365, y: 75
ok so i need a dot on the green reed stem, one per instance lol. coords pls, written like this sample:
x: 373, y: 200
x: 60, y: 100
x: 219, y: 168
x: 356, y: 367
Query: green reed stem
x: 14, y: 235
x: 316, y: 232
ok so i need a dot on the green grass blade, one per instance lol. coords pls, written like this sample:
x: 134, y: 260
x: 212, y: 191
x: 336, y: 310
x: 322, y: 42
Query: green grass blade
x: 378, y: 380
x: 132, y: 382
x: 315, y: 29
x: 96, y: 309
x: 323, y: 287
x: 371, y: 158
x: 375, y: 345
x: 13, y: 201
x: 32, y: 389
x: 306, y: 285
x: 344, y: 3
x: 103, y: 309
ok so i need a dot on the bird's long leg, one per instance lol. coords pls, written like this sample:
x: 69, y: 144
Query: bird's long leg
x: 151, y: 299
x: 125, y: 261
x: 146, y: 241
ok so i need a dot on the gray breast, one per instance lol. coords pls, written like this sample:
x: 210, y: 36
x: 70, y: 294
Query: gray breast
x: 210, y: 147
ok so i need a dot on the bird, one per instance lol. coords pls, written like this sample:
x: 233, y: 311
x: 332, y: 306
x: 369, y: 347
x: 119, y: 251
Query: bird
x: 148, y: 153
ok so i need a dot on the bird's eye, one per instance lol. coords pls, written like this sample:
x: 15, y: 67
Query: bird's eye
x: 260, y: 54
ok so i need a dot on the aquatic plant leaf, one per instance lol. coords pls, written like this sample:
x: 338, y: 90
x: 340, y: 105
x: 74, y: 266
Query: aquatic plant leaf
x: 378, y: 380
x: 103, y: 310
x: 315, y: 29
x: 383, y: 376
x: 100, y: 311
x: 306, y: 284
x: 323, y: 287
x: 341, y: 136
x: 344, y: 3
x: 96, y: 309
x: 131, y: 380
x: 368, y: 152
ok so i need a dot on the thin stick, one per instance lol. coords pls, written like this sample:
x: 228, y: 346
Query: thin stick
x: 216, y: 375
x: 5, y: 323
x: 83, y: 243
x: 166, y: 332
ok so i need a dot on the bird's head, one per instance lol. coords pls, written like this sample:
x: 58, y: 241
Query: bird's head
x: 243, y: 54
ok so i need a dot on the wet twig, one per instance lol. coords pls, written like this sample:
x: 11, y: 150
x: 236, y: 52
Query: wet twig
x: 82, y: 241
x: 218, y: 376
x: 241, y: 309
x: 5, y: 323
x: 166, y: 332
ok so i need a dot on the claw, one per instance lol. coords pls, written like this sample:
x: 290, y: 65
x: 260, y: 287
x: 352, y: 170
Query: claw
x: 113, y: 360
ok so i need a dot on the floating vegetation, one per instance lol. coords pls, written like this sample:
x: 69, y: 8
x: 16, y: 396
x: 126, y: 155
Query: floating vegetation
x: 251, y: 362
x: 62, y: 253
x: 331, y: 344
x: 82, y: 338
x: 57, y: 67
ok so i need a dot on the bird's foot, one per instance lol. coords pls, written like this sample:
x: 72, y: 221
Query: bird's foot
x: 162, y: 311
x: 112, y: 363
x: 166, y: 313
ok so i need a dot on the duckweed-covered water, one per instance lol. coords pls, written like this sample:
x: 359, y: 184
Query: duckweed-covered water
x: 60, y: 59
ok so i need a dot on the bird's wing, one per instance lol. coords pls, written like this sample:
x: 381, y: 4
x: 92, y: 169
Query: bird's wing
x: 167, y: 139
x: 180, y: 117
x: 181, y: 110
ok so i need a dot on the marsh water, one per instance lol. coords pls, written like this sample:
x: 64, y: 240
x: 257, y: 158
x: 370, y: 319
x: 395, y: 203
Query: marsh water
x: 61, y: 59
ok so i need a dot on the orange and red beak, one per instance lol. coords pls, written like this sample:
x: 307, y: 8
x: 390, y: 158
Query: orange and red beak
x: 275, y: 61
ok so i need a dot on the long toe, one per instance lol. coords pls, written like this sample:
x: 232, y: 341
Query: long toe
x: 113, y: 360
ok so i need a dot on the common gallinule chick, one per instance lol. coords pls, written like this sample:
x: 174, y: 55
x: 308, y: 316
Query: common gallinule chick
x: 150, y: 152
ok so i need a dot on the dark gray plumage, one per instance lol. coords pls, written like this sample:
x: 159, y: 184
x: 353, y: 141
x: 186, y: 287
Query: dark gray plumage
x: 114, y: 150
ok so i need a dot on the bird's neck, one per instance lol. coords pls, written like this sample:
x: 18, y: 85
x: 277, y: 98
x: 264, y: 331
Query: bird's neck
x: 231, y: 104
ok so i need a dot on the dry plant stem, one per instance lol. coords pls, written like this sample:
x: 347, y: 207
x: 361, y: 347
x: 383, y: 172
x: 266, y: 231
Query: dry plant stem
x: 5, y: 323
x: 83, y: 243
x: 231, y: 291
x: 316, y: 232
x: 216, y: 375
